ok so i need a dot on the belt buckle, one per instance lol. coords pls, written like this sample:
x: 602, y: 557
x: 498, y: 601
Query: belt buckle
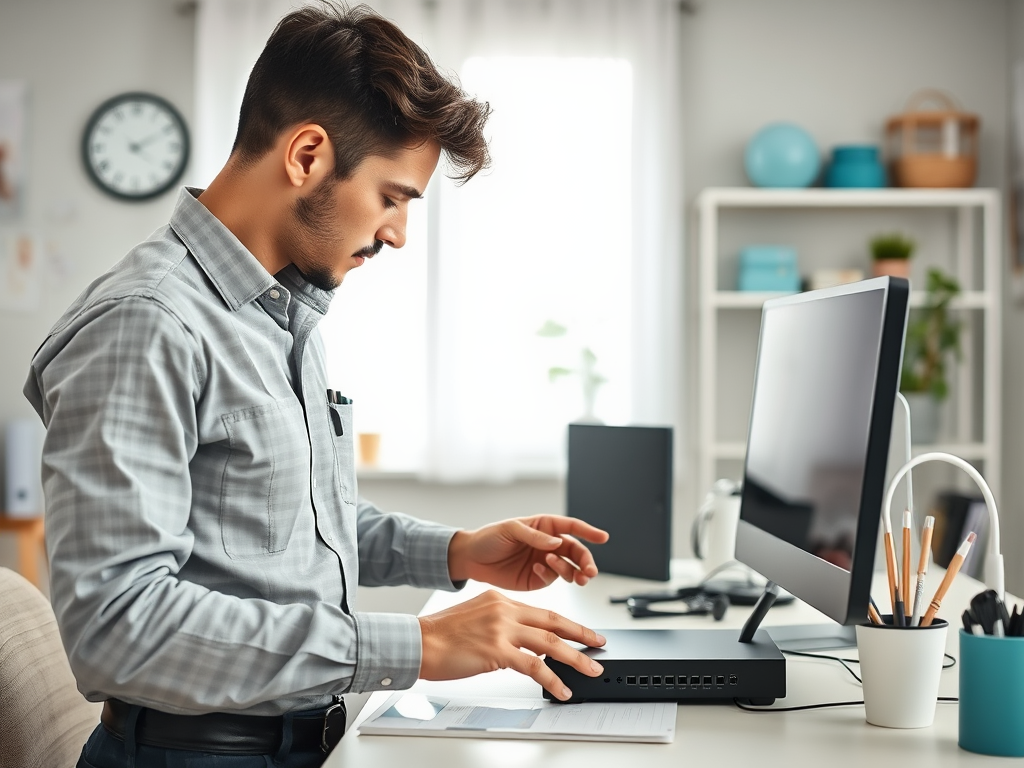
x: 324, y: 746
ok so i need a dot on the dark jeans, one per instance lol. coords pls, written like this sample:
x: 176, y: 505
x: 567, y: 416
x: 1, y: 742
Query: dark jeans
x: 104, y: 750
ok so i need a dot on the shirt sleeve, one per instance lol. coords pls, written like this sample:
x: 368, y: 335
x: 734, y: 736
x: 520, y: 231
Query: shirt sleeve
x: 117, y: 390
x: 395, y: 548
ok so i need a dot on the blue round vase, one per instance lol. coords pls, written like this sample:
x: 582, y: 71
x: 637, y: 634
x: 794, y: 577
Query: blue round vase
x: 855, y: 166
x: 782, y: 155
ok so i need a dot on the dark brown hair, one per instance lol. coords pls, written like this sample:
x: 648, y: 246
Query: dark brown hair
x: 363, y: 81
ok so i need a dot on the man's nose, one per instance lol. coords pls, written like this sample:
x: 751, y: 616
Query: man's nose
x: 393, y: 233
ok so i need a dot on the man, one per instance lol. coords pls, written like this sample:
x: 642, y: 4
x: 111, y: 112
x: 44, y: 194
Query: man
x: 202, y: 520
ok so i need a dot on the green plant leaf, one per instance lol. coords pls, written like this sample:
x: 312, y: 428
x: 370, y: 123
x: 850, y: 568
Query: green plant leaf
x: 551, y: 330
x: 556, y: 373
x: 894, y: 246
x: 933, y: 335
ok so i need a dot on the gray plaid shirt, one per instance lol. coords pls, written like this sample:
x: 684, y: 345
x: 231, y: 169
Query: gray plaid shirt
x: 202, y: 518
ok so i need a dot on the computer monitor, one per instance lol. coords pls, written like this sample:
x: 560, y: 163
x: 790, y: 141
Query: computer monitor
x: 825, y: 384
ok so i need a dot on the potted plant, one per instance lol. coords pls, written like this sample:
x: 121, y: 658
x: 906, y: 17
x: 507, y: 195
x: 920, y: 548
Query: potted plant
x: 932, y: 337
x: 590, y: 379
x: 891, y: 254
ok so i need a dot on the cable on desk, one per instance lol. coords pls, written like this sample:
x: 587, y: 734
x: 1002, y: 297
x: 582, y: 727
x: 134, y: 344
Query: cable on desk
x: 748, y: 708
x: 844, y: 663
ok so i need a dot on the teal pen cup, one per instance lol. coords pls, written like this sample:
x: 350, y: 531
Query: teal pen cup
x: 992, y: 694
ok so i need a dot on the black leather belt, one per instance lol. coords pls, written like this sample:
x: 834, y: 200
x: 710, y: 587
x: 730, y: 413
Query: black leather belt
x: 228, y: 733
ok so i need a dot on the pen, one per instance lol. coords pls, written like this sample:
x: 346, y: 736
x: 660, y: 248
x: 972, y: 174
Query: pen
x: 951, y: 572
x: 899, y: 617
x: 874, y: 605
x: 905, y: 584
x: 890, y: 563
x: 922, y: 568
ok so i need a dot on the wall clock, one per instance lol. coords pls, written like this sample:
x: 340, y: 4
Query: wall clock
x: 135, y: 146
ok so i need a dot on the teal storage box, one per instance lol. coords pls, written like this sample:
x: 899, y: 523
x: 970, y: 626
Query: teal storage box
x: 768, y: 268
x: 992, y: 695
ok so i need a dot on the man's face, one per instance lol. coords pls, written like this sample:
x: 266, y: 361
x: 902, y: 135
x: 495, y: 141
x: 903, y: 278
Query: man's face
x: 340, y: 224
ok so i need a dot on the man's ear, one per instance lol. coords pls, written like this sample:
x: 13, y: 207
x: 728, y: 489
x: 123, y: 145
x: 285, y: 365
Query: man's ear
x: 309, y: 155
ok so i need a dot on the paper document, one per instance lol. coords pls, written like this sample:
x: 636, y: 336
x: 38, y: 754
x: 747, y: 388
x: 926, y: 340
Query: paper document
x: 415, y: 714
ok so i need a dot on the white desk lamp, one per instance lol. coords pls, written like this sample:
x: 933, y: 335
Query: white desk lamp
x: 994, y: 568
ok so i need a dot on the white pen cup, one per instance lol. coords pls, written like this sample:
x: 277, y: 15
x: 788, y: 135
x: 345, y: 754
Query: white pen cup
x: 900, y: 668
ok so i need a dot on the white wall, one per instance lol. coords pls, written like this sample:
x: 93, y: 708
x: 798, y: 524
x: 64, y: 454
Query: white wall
x: 836, y: 67
x: 73, y: 55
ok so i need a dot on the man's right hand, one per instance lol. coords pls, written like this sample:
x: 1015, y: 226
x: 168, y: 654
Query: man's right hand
x: 489, y: 633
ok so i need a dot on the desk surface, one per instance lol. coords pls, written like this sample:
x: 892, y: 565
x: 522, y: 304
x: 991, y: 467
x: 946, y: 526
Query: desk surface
x: 706, y: 734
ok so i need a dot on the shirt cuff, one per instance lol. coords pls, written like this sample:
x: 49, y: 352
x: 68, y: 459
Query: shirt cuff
x: 428, y: 557
x: 389, y: 650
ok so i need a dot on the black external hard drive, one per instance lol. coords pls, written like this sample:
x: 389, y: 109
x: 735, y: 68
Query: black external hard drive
x: 679, y: 664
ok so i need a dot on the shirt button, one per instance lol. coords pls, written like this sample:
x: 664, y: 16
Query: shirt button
x: 275, y: 294
x: 386, y: 681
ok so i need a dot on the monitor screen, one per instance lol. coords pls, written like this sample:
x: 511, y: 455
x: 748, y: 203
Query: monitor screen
x: 817, y: 447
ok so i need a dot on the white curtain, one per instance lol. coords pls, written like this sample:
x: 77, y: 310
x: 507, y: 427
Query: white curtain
x: 581, y: 227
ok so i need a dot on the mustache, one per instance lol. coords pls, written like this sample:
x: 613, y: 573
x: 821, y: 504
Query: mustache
x: 371, y: 250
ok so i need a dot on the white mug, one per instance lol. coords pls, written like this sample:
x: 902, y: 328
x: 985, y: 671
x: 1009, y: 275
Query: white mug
x: 714, y: 530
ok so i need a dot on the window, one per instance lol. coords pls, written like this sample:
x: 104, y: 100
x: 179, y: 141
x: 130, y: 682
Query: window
x: 544, y: 236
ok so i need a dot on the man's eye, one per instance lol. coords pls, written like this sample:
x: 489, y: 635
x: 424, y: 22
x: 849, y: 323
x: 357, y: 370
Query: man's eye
x: 389, y: 203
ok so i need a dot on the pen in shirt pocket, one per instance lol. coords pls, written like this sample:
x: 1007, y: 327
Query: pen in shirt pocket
x: 335, y: 398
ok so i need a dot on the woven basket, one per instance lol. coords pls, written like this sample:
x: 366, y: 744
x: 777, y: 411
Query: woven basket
x: 932, y: 148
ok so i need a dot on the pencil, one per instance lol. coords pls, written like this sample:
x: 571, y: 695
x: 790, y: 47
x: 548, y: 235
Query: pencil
x: 951, y: 572
x: 905, y: 584
x: 890, y: 563
x: 873, y: 615
x: 922, y: 568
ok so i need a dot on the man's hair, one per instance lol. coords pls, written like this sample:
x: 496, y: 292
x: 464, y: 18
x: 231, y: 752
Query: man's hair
x: 371, y: 88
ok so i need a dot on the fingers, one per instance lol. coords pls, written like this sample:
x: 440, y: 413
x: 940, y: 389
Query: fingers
x: 547, y: 642
x: 560, y: 566
x: 545, y: 574
x: 575, y: 527
x: 534, y: 666
x: 575, y: 563
x: 550, y: 644
x: 551, y: 621
x: 577, y: 554
x: 532, y: 536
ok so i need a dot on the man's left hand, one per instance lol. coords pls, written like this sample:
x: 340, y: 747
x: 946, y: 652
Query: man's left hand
x: 526, y: 552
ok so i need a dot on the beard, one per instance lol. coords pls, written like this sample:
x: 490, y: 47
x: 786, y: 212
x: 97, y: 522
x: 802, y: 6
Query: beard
x: 314, y: 233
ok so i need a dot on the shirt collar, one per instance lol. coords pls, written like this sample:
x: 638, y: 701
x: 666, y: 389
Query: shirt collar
x: 234, y: 271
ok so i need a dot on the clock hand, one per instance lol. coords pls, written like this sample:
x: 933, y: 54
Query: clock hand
x: 148, y: 140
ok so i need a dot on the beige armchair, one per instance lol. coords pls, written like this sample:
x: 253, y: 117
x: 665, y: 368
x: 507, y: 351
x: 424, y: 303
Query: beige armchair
x: 44, y: 720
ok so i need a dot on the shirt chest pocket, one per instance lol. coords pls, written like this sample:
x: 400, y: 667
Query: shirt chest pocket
x: 340, y: 418
x: 265, y: 484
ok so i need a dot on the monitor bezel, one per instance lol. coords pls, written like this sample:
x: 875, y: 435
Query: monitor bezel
x: 842, y: 595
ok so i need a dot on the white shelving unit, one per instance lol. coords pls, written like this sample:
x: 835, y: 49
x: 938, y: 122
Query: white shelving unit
x: 977, y: 267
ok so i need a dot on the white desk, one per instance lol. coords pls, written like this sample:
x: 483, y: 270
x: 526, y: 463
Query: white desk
x: 716, y: 734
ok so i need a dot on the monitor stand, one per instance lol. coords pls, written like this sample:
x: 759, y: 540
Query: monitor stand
x: 797, y: 637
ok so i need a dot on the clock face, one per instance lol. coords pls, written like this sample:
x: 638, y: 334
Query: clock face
x: 135, y: 146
